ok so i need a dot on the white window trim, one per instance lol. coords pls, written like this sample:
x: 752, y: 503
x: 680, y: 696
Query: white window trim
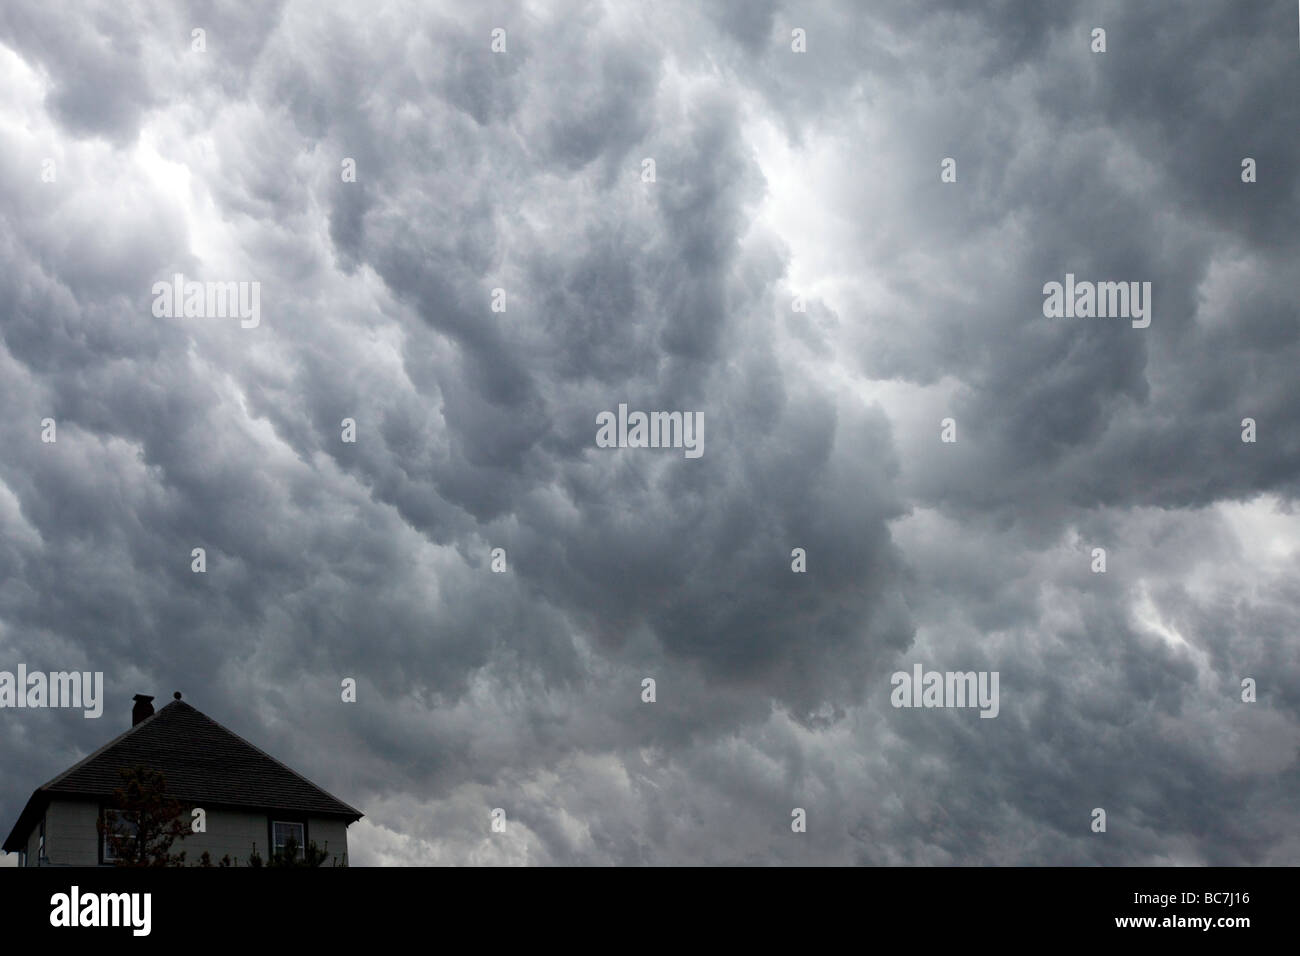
x: 107, y: 851
x: 302, y: 835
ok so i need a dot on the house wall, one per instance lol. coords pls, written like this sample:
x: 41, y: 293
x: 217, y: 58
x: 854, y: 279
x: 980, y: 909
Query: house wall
x: 234, y: 832
x: 72, y: 835
x: 32, y: 854
x: 334, y: 832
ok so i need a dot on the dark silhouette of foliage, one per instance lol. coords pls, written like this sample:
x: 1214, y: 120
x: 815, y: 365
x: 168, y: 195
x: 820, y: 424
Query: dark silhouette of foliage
x: 291, y: 857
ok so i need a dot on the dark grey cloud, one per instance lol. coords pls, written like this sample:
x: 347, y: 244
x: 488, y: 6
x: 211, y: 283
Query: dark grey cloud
x: 776, y: 174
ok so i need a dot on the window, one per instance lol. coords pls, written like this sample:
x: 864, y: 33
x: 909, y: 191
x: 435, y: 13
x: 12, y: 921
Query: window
x: 120, y: 823
x: 282, y: 832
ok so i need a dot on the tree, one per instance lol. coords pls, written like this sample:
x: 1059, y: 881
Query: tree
x: 144, y: 822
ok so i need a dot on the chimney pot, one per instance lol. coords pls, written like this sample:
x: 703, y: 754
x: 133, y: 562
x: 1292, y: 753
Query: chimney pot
x: 142, y: 710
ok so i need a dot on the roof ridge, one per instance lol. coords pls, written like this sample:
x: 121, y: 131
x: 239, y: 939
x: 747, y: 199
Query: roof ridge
x: 180, y: 705
x: 282, y: 766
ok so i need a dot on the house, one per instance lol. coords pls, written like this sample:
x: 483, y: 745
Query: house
x: 247, y: 796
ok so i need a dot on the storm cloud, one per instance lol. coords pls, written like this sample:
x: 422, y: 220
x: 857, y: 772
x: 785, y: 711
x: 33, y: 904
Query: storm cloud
x: 797, y: 273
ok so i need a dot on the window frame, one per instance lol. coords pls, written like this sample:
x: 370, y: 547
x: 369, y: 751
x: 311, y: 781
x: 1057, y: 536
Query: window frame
x: 289, y: 819
x: 104, y: 858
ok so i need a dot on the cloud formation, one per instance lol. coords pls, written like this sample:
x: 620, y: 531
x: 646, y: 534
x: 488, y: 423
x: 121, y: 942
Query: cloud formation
x: 777, y: 174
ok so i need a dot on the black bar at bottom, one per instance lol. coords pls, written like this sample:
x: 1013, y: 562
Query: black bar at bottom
x: 611, y: 907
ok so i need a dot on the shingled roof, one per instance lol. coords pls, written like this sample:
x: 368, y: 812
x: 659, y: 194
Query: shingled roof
x: 203, y: 763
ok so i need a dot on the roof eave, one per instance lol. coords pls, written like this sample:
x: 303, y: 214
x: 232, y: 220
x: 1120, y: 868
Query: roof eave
x: 16, y: 841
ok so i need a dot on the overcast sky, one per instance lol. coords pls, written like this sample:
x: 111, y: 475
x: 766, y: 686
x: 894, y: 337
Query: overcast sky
x: 777, y: 174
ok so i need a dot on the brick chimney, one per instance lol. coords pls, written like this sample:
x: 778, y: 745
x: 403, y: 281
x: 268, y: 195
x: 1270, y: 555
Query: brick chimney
x: 142, y: 710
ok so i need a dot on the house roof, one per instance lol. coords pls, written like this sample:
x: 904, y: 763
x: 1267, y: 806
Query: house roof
x: 203, y: 763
